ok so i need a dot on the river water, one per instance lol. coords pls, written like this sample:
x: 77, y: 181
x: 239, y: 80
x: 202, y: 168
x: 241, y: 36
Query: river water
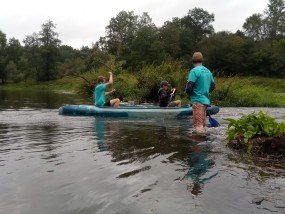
x: 58, y: 164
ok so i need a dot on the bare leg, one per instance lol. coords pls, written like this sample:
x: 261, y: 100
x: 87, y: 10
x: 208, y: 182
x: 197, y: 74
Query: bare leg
x: 199, y: 118
x: 178, y: 103
x: 115, y: 102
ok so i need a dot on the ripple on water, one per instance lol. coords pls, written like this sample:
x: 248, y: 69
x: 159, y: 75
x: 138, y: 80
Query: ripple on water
x: 55, y: 164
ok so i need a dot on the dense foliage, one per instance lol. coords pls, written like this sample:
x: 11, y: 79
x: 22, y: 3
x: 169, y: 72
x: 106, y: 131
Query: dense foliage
x: 135, y: 44
x: 252, y: 125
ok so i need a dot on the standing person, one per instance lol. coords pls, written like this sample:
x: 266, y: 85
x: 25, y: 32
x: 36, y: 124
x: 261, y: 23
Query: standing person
x: 200, y: 84
x: 100, y: 92
x: 164, y: 96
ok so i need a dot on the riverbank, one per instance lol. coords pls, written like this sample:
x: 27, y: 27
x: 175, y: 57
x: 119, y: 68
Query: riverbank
x: 229, y: 92
x: 64, y: 85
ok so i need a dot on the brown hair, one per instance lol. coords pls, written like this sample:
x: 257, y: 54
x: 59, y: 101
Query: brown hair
x: 197, y: 57
x: 100, y: 79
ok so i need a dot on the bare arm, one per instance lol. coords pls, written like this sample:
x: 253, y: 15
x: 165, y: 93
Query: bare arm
x: 110, y: 92
x: 110, y: 82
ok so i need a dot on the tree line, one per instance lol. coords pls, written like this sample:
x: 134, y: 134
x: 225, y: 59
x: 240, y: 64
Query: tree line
x: 134, y: 41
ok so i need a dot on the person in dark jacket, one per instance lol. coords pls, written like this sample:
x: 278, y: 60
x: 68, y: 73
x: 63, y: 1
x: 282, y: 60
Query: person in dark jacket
x: 165, y: 96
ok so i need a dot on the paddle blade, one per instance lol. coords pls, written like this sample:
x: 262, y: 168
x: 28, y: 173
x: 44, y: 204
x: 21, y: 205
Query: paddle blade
x: 213, y: 122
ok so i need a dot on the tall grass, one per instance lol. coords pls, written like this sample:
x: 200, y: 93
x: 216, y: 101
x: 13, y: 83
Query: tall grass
x: 248, y: 92
x: 143, y: 85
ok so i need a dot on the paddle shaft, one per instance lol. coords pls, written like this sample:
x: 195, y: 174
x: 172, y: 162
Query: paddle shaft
x: 171, y: 96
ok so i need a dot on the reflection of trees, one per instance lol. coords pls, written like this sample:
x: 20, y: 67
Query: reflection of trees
x: 128, y: 143
x: 44, y: 139
x: 262, y: 167
x: 41, y: 138
x: 144, y: 141
x: 135, y: 143
x: 4, y: 130
x: 36, y: 99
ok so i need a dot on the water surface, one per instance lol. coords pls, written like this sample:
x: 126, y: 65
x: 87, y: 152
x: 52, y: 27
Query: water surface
x: 58, y: 164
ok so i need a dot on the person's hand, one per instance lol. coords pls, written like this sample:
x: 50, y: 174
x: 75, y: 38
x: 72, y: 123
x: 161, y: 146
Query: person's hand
x: 113, y: 90
x: 173, y: 90
x: 110, y: 73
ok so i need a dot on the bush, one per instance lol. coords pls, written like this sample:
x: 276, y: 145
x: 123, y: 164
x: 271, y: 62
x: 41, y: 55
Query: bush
x: 252, y: 126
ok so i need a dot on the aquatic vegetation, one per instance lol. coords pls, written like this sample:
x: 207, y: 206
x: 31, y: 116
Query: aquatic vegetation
x: 254, y: 126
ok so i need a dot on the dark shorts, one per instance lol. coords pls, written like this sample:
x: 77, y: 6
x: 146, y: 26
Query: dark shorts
x: 107, y: 103
x: 172, y: 104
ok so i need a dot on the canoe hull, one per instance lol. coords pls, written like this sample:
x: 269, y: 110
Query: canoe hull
x: 131, y: 111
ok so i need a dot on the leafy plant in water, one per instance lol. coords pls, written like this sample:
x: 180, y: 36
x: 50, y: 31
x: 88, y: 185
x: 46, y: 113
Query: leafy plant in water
x: 253, y: 125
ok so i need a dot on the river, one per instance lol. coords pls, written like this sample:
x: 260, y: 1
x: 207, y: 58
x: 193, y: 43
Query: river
x: 59, y: 164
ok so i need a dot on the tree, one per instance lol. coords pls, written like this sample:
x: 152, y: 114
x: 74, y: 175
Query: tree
x: 170, y: 34
x: 120, y: 32
x: 198, y: 21
x: 196, y: 25
x: 275, y: 18
x: 253, y: 27
x: 146, y: 48
x: 14, y: 51
x: 32, y: 53
x: 70, y: 61
x: 277, y: 59
x: 13, y: 73
x: 3, y: 57
x: 226, y: 53
x: 49, y: 50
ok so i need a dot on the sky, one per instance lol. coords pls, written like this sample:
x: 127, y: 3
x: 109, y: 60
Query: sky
x: 81, y: 23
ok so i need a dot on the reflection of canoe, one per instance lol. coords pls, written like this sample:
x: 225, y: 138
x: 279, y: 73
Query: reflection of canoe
x: 131, y: 111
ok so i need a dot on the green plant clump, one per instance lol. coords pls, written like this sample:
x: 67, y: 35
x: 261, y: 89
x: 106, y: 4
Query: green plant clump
x: 253, y: 125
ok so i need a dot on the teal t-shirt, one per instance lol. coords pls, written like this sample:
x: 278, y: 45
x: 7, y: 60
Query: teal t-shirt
x: 100, y: 97
x: 202, y: 79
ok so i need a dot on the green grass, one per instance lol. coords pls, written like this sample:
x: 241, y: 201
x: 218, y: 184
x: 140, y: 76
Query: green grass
x: 249, y: 92
x: 63, y: 85
x: 143, y: 86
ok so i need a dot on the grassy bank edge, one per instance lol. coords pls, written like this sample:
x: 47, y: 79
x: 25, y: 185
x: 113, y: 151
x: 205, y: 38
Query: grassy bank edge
x: 229, y: 92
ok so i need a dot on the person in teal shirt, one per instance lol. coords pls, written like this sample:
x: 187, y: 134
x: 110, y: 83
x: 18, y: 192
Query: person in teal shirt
x: 200, y: 84
x: 100, y: 92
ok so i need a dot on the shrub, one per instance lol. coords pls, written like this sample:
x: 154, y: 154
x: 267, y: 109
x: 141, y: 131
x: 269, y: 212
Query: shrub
x: 252, y: 126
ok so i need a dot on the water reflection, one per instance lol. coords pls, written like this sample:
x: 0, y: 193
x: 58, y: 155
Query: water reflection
x: 15, y: 99
x: 100, y: 130
x: 148, y: 141
x: 55, y: 164
x: 105, y: 132
x: 200, y: 164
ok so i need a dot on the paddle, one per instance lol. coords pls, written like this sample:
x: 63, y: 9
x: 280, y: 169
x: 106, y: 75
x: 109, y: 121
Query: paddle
x: 171, y: 96
x: 213, y: 122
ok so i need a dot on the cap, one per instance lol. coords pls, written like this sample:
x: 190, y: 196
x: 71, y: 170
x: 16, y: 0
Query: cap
x: 164, y: 83
x: 197, y: 57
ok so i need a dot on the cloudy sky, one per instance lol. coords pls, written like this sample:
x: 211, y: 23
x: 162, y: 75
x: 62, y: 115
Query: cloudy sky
x: 81, y: 23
